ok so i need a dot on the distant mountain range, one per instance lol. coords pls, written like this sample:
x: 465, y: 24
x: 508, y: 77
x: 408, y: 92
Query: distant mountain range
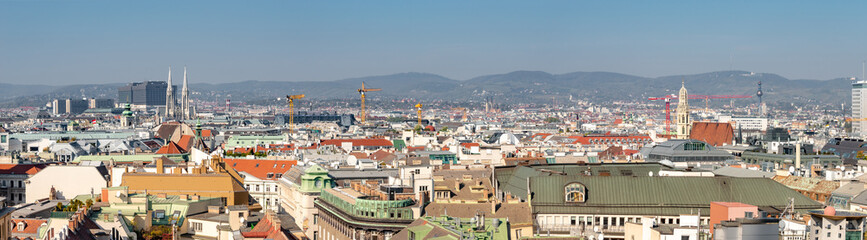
x: 513, y: 87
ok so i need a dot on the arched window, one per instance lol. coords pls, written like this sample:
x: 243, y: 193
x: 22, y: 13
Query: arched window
x: 575, y: 192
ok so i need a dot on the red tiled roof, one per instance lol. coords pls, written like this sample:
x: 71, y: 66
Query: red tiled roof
x: 31, y: 226
x: 265, y: 229
x: 413, y: 149
x: 260, y: 168
x: 186, y: 142
x: 28, y: 169
x: 469, y: 145
x: 171, y: 148
x: 375, y: 142
x: 242, y: 150
x: 207, y: 133
x: 359, y: 155
x: 380, y: 155
x: 543, y: 135
x: 715, y: 134
x: 618, y: 121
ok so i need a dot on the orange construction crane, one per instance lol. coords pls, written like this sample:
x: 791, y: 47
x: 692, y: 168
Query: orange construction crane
x: 291, y: 99
x: 672, y: 96
x: 855, y: 119
x: 464, y: 111
x: 418, y: 106
x: 363, y: 92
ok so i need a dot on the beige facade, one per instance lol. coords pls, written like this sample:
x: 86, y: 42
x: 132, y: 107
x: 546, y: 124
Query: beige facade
x: 68, y: 182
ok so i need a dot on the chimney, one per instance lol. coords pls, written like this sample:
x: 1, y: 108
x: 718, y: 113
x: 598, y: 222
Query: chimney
x: 797, y: 155
x: 457, y: 185
x: 277, y: 223
x: 494, y: 206
x: 162, y: 195
x: 160, y: 169
x: 184, y: 197
x: 195, y: 197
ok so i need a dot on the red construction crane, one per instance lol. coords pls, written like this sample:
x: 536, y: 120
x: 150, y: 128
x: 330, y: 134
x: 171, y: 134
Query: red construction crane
x: 673, y: 96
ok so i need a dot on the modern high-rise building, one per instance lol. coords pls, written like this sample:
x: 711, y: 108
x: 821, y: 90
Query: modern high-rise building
x: 149, y: 94
x: 58, y: 106
x: 73, y: 106
x: 859, y: 109
x: 76, y: 106
x: 100, y: 103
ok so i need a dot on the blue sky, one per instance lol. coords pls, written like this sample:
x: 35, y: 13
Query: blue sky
x: 66, y: 42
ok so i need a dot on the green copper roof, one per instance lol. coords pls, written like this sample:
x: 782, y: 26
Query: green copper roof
x: 659, y: 195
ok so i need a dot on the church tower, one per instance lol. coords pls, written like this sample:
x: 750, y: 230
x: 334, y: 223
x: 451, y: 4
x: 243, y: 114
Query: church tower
x: 170, y: 97
x: 683, y: 122
x: 186, y: 112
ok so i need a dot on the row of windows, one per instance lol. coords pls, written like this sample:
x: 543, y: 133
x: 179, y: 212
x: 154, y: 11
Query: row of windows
x: 197, y: 226
x: 255, y: 188
x: 12, y: 182
x: 602, y: 220
x: 628, y: 140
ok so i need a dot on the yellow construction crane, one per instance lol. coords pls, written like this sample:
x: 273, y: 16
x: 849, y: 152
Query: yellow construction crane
x: 418, y: 107
x: 464, y: 111
x: 291, y: 99
x: 363, y: 92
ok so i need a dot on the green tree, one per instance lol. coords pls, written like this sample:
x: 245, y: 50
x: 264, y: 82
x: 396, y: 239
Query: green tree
x: 552, y: 120
x: 59, y: 207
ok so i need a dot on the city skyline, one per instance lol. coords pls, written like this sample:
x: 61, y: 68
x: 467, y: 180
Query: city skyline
x: 58, y: 43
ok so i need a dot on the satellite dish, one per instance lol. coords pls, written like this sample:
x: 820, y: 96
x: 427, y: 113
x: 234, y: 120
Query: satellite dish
x: 791, y: 169
x: 650, y: 174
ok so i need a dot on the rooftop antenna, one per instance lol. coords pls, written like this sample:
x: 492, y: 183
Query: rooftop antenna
x: 731, y: 61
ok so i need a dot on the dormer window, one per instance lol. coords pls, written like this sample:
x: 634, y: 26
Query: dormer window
x: 575, y: 193
x: 21, y: 225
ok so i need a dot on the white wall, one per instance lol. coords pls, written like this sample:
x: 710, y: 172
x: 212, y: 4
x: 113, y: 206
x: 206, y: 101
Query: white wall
x: 68, y: 181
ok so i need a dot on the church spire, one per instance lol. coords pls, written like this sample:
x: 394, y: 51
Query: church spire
x: 185, y: 99
x: 170, y: 97
x: 684, y: 124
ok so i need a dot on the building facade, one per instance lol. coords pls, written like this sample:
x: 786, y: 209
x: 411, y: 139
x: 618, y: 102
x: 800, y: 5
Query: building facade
x: 299, y: 188
x: 148, y: 94
x: 859, y: 107
x: 346, y: 214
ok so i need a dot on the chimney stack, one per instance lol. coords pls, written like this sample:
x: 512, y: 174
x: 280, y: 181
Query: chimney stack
x: 160, y: 169
x: 797, y: 155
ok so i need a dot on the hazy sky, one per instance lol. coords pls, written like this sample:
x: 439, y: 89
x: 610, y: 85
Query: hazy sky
x: 68, y: 42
